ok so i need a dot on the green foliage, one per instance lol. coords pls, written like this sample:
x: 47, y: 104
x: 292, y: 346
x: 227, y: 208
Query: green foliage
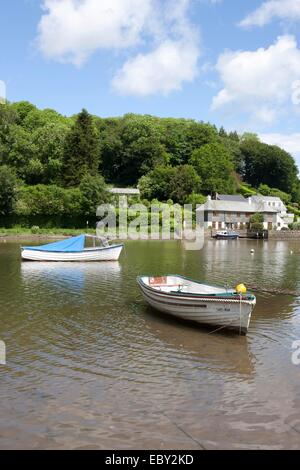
x: 295, y: 226
x: 82, y: 150
x: 256, y: 222
x: 214, y: 165
x: 164, y: 183
x: 257, y: 218
x: 8, y: 190
x: 246, y: 190
x: 196, y: 199
x: 184, y: 182
x: 93, y: 193
x: 265, y: 190
x: 131, y: 147
x: 270, y: 165
x: 48, y: 200
x: 157, y: 183
x: 178, y: 159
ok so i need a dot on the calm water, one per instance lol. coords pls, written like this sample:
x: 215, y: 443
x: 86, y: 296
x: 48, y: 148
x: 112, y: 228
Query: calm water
x: 90, y: 366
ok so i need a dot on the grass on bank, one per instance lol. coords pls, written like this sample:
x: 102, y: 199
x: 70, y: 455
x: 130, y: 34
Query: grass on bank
x: 22, y: 231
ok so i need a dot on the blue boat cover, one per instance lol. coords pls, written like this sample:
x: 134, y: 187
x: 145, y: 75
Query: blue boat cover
x: 72, y: 245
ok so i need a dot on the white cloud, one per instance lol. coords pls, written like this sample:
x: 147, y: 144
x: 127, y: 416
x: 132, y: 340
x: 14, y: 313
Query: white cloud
x: 163, y: 70
x: 290, y: 142
x: 72, y: 30
x: 171, y: 63
x: 271, y: 9
x: 260, y: 82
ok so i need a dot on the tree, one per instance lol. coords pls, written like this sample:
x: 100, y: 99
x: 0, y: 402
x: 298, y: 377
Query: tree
x: 214, y: 165
x: 82, y: 150
x: 181, y: 137
x: 256, y: 222
x: 22, y: 109
x: 164, y: 183
x: 270, y: 165
x: 141, y: 150
x: 184, y: 183
x: 20, y: 150
x: 8, y: 190
x: 93, y: 193
x: 49, y: 141
x: 157, y: 183
x: 222, y: 132
x: 48, y: 200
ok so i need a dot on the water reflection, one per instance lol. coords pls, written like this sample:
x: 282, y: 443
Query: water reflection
x: 71, y: 276
x: 90, y: 365
x: 224, y: 352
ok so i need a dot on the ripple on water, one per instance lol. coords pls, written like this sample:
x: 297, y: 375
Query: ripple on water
x: 89, y: 364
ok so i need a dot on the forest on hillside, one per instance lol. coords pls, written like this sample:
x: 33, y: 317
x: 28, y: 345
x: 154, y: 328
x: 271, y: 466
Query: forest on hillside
x: 56, y: 168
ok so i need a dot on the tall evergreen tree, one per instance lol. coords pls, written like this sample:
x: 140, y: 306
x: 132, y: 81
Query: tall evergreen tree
x: 82, y: 150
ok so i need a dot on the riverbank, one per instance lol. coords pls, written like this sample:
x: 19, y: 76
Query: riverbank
x: 42, y: 234
x: 20, y: 233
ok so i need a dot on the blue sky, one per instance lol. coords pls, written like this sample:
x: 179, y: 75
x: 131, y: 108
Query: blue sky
x: 233, y: 63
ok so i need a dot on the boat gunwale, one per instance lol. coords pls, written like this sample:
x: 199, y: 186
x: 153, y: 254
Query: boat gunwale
x: 86, y: 250
x: 226, y: 297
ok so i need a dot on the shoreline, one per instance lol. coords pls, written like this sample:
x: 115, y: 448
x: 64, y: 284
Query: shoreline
x: 11, y: 237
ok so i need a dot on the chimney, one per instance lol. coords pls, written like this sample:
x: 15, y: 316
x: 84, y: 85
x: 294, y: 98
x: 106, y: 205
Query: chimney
x: 209, y: 198
x: 250, y: 200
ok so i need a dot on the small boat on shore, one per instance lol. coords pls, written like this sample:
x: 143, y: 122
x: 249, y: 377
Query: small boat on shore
x: 190, y: 300
x: 226, y: 235
x: 73, y: 249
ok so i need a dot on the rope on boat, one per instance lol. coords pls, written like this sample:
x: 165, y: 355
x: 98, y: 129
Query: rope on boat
x: 240, y: 314
x: 222, y: 328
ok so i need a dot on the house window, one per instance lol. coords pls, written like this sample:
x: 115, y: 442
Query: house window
x: 215, y: 214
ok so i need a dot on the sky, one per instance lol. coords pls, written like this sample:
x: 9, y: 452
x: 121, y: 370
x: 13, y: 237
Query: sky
x: 233, y: 63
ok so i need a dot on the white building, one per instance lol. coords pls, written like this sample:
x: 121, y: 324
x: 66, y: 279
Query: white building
x: 283, y: 218
x: 235, y: 212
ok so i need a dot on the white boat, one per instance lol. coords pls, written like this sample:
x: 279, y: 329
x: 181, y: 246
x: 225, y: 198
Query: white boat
x: 226, y: 235
x: 201, y: 303
x: 73, y: 250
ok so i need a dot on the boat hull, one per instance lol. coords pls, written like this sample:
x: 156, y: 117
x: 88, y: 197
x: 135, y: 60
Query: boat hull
x: 226, y: 237
x: 223, y: 313
x: 111, y: 253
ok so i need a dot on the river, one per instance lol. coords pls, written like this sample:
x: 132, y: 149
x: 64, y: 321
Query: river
x: 90, y: 366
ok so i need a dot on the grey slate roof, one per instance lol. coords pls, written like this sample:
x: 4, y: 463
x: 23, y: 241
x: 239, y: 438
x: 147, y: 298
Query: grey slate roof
x: 125, y: 191
x: 237, y: 206
x: 230, y: 197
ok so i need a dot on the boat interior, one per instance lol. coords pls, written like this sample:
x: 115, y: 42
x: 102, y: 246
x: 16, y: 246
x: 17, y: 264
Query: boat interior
x: 170, y: 284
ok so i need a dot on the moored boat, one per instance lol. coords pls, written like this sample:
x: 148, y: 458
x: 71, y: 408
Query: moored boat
x: 190, y: 300
x: 73, y: 249
x: 226, y: 235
